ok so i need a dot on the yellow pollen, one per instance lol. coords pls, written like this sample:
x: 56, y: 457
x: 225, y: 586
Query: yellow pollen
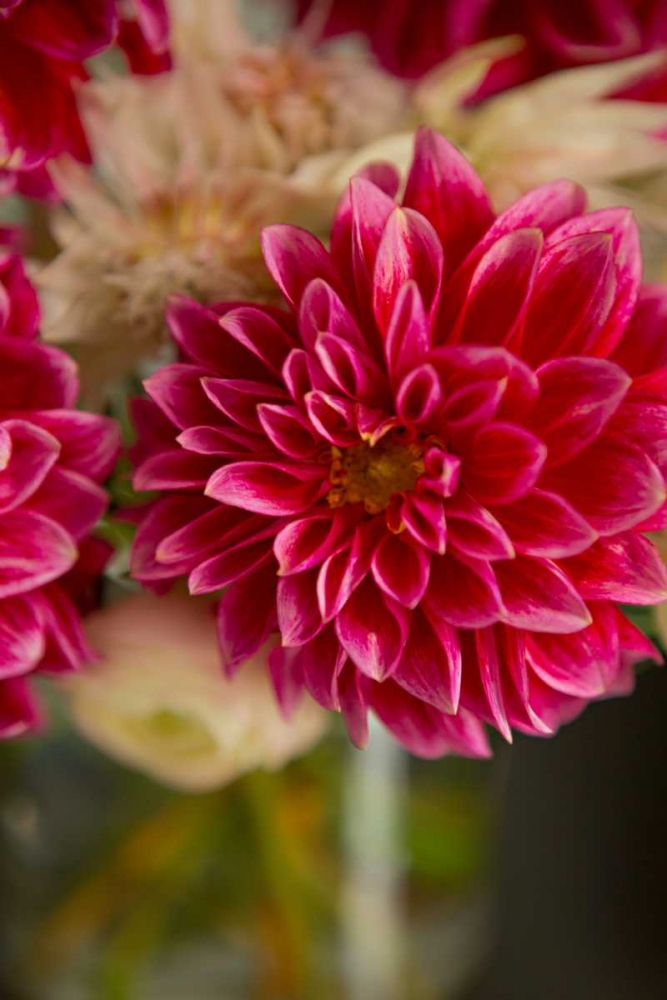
x: 373, y: 474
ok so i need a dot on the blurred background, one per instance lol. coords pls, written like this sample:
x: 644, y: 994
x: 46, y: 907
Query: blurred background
x: 542, y: 874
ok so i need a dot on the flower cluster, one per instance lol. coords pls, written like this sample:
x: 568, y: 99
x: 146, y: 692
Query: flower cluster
x: 432, y: 470
x: 53, y: 459
x: 43, y: 48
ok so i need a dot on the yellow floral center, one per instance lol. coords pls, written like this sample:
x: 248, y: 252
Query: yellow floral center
x: 372, y: 474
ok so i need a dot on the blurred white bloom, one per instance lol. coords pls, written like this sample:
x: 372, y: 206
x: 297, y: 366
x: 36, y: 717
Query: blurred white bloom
x: 561, y: 125
x: 189, y: 166
x: 159, y: 701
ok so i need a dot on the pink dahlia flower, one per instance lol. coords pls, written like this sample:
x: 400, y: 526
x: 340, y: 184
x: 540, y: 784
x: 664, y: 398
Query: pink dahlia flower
x: 43, y: 48
x: 432, y: 472
x: 411, y: 38
x: 52, y: 461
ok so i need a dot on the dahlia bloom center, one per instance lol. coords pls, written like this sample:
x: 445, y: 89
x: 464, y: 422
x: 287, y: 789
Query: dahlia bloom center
x: 373, y: 474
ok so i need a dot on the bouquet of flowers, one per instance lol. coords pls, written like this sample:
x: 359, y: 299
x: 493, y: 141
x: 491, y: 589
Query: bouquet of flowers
x: 332, y: 383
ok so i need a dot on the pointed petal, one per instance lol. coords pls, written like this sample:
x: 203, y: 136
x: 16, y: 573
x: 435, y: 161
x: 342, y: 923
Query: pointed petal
x: 268, y: 488
x: 373, y: 630
x: 444, y: 188
x: 401, y: 570
x: 538, y: 596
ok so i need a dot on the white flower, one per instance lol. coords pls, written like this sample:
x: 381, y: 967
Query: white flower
x: 189, y: 166
x: 159, y: 701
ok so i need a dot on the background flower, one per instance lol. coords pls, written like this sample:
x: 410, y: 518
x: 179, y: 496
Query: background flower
x: 409, y: 38
x: 563, y: 125
x: 52, y: 460
x: 179, y: 199
x: 43, y: 48
x: 434, y: 471
x: 158, y: 699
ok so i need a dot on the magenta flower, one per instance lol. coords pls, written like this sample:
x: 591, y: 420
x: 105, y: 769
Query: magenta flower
x: 432, y: 472
x: 411, y: 38
x: 52, y: 460
x: 43, y: 48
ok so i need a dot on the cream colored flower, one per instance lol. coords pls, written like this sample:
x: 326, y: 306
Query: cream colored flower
x: 559, y: 126
x: 158, y: 699
x: 189, y: 167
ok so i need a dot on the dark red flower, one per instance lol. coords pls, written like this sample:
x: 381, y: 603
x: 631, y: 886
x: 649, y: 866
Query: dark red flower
x: 410, y: 38
x: 43, y: 48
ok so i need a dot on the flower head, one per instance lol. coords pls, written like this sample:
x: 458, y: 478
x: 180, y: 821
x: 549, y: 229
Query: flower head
x: 431, y: 472
x: 52, y: 461
x: 158, y: 700
x: 180, y: 198
x: 43, y: 48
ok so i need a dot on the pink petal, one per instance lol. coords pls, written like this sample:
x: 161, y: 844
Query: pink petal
x: 538, y: 596
x: 238, y: 400
x: 419, y: 397
x: 408, y: 334
x: 33, y: 551
x: 572, y: 298
x: 177, y: 390
x: 231, y: 441
x: 294, y: 257
x: 424, y: 517
x: 209, y: 527
x: 500, y: 290
x: 430, y: 667
x: 621, y: 226
x: 18, y: 710
x: 409, y: 250
x: 285, y: 667
x: 482, y: 693
x: 33, y: 453
x: 165, y: 517
x: 299, y: 618
x: 229, y: 566
x: 352, y: 371
x: 577, y: 398
x: 288, y: 430
x: 373, y: 630
x: 444, y: 188
x: 544, y: 524
x: 626, y: 569
x: 268, y: 487
x: 474, y: 530
x: 582, y: 664
x: 463, y: 592
x: 174, y: 470
x: 333, y: 417
x: 246, y: 616
x: 612, y: 483
x: 72, y: 500
x: 342, y: 572
x: 503, y: 463
x: 401, y: 570
x: 21, y: 637
x: 353, y: 704
x: 257, y: 345
x: 307, y: 541
x: 89, y: 443
x: 423, y: 729
x: 323, y: 311
x: 42, y: 378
